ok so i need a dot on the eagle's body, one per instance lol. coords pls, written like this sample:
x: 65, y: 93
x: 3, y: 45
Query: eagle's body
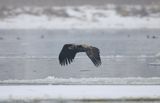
x: 69, y: 51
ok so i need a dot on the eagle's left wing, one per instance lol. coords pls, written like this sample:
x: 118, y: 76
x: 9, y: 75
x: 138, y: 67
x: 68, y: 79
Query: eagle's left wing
x: 94, y: 54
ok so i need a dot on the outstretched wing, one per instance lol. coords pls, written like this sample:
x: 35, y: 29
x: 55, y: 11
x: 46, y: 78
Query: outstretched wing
x: 93, y: 54
x: 67, y: 54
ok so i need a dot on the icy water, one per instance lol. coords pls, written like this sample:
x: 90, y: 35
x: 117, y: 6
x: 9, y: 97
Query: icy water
x: 33, y: 54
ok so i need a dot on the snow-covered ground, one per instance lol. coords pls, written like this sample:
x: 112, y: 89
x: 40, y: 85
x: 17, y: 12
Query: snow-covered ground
x: 81, y: 17
x: 80, y: 92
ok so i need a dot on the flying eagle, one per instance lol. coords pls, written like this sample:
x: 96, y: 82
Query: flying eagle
x: 69, y: 51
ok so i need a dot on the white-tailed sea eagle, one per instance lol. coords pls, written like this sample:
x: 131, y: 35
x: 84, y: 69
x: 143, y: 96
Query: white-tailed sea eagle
x: 69, y: 52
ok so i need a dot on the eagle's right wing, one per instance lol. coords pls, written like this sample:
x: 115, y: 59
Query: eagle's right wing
x: 93, y: 54
x: 67, y: 54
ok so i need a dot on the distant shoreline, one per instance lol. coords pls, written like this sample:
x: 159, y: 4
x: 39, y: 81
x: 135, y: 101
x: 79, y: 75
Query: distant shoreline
x: 75, y: 2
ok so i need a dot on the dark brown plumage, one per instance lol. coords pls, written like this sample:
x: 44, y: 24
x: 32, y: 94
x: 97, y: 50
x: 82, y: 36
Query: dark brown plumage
x: 69, y: 52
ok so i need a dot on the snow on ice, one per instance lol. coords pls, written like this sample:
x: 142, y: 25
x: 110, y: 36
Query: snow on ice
x: 87, y: 81
x: 79, y: 92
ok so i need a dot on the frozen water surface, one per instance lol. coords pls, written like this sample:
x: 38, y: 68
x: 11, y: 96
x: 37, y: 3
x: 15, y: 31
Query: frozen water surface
x: 80, y: 93
x: 33, y: 54
x: 31, y: 57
